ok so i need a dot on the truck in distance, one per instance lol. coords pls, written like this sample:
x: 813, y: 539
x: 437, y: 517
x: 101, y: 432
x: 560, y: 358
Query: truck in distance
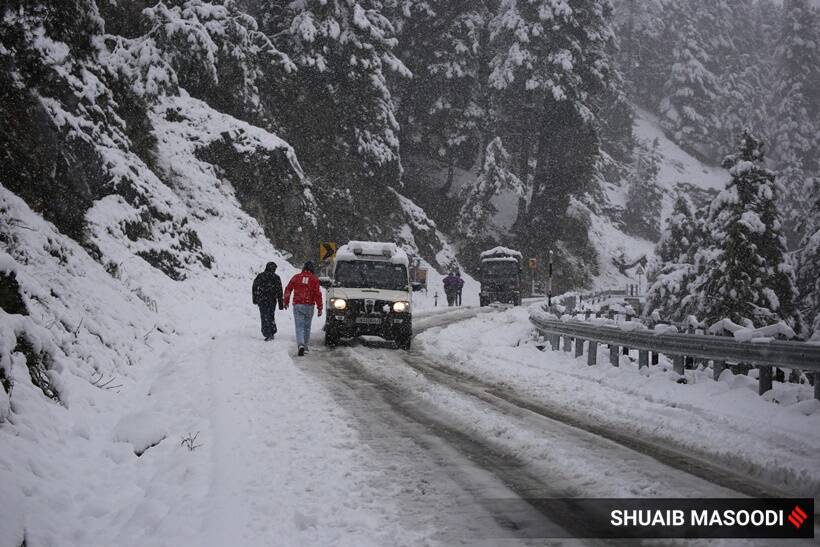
x: 500, y: 276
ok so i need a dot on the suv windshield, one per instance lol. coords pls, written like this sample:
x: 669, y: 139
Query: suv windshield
x: 363, y: 274
x: 501, y: 270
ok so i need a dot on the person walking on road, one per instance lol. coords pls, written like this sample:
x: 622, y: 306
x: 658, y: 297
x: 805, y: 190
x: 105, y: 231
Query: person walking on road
x: 307, y: 293
x: 451, y: 288
x: 460, y: 285
x: 267, y: 294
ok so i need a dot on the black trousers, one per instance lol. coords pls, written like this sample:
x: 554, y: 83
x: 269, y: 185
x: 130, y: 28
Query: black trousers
x: 451, y: 298
x: 267, y: 314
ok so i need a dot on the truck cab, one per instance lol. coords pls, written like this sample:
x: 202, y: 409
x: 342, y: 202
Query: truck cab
x: 500, y: 276
x: 369, y: 293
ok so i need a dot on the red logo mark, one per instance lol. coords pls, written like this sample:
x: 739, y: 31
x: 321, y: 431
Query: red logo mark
x: 797, y: 517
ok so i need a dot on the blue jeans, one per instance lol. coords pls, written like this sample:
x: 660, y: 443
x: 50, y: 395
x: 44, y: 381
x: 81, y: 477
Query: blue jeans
x: 302, y: 317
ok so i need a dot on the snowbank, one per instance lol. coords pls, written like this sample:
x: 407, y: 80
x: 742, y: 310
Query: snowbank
x: 718, y: 421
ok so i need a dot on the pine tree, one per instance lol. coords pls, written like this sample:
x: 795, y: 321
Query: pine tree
x: 672, y: 270
x: 691, y: 89
x: 808, y: 271
x: 747, y: 277
x: 796, y: 111
x: 643, y: 200
x: 496, y: 176
x: 641, y: 27
x: 443, y: 108
x: 339, y: 114
x: 217, y: 52
x: 550, y: 65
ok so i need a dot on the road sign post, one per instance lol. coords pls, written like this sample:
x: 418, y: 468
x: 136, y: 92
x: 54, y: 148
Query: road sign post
x: 549, y: 284
x: 533, y: 264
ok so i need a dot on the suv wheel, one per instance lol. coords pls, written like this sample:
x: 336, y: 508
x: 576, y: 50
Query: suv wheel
x: 403, y: 339
x: 331, y: 338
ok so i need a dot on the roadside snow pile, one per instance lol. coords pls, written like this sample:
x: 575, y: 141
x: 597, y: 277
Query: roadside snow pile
x: 720, y: 421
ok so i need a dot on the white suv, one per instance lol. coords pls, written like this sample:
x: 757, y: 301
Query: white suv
x: 369, y: 293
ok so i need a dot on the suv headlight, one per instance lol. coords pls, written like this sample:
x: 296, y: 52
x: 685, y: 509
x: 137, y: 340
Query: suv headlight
x: 339, y: 303
x: 400, y: 307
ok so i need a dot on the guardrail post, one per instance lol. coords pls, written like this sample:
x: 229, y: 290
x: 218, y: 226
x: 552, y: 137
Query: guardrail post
x: 592, y: 356
x: 613, y: 355
x: 643, y: 358
x: 567, y: 343
x: 764, y: 380
x: 717, y: 369
x: 579, y: 347
x: 677, y: 364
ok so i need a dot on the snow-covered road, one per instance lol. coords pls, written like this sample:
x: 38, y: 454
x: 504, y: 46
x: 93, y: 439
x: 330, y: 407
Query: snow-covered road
x: 367, y: 445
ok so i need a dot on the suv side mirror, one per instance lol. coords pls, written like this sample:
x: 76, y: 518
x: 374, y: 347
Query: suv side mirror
x: 416, y: 286
x: 325, y: 282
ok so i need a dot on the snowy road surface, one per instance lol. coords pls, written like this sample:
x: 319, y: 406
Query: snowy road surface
x: 367, y: 445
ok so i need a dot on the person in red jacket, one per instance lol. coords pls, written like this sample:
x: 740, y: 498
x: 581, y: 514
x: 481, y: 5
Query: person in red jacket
x: 307, y: 292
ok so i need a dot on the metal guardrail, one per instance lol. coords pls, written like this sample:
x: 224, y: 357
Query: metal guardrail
x: 719, y: 350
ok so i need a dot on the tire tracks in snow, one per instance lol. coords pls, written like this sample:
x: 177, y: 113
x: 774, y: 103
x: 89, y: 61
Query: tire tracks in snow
x: 354, y: 365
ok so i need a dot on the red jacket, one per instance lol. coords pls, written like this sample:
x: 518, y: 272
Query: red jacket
x: 305, y: 288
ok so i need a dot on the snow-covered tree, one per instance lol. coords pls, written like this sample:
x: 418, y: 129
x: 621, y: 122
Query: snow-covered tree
x: 746, y: 274
x: 672, y: 269
x: 550, y: 63
x: 643, y: 200
x: 644, y: 59
x: 808, y: 270
x: 796, y: 118
x: 691, y: 89
x: 340, y: 114
x: 495, y: 177
x: 443, y: 107
x: 217, y: 52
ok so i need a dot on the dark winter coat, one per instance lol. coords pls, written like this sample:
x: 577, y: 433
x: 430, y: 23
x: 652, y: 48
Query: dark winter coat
x: 267, y: 288
x: 451, y: 283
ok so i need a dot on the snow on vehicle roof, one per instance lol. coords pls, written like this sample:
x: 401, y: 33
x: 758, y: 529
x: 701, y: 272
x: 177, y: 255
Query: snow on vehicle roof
x: 500, y: 259
x: 369, y: 250
x: 501, y: 252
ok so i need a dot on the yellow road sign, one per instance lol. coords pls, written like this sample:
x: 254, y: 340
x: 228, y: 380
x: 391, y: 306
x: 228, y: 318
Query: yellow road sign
x: 327, y: 250
x: 533, y: 263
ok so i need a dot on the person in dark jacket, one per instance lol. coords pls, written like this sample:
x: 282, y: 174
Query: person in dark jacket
x: 267, y: 294
x: 451, y: 288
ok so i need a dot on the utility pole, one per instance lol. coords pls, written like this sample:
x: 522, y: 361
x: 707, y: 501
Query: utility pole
x: 549, y: 284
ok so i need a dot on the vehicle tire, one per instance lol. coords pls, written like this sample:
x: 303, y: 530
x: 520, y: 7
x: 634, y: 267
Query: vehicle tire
x: 404, y: 338
x: 331, y: 338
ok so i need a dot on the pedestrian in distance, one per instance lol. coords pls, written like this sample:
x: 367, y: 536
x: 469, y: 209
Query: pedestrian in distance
x: 307, y: 293
x: 267, y: 294
x: 451, y: 288
x: 460, y: 285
